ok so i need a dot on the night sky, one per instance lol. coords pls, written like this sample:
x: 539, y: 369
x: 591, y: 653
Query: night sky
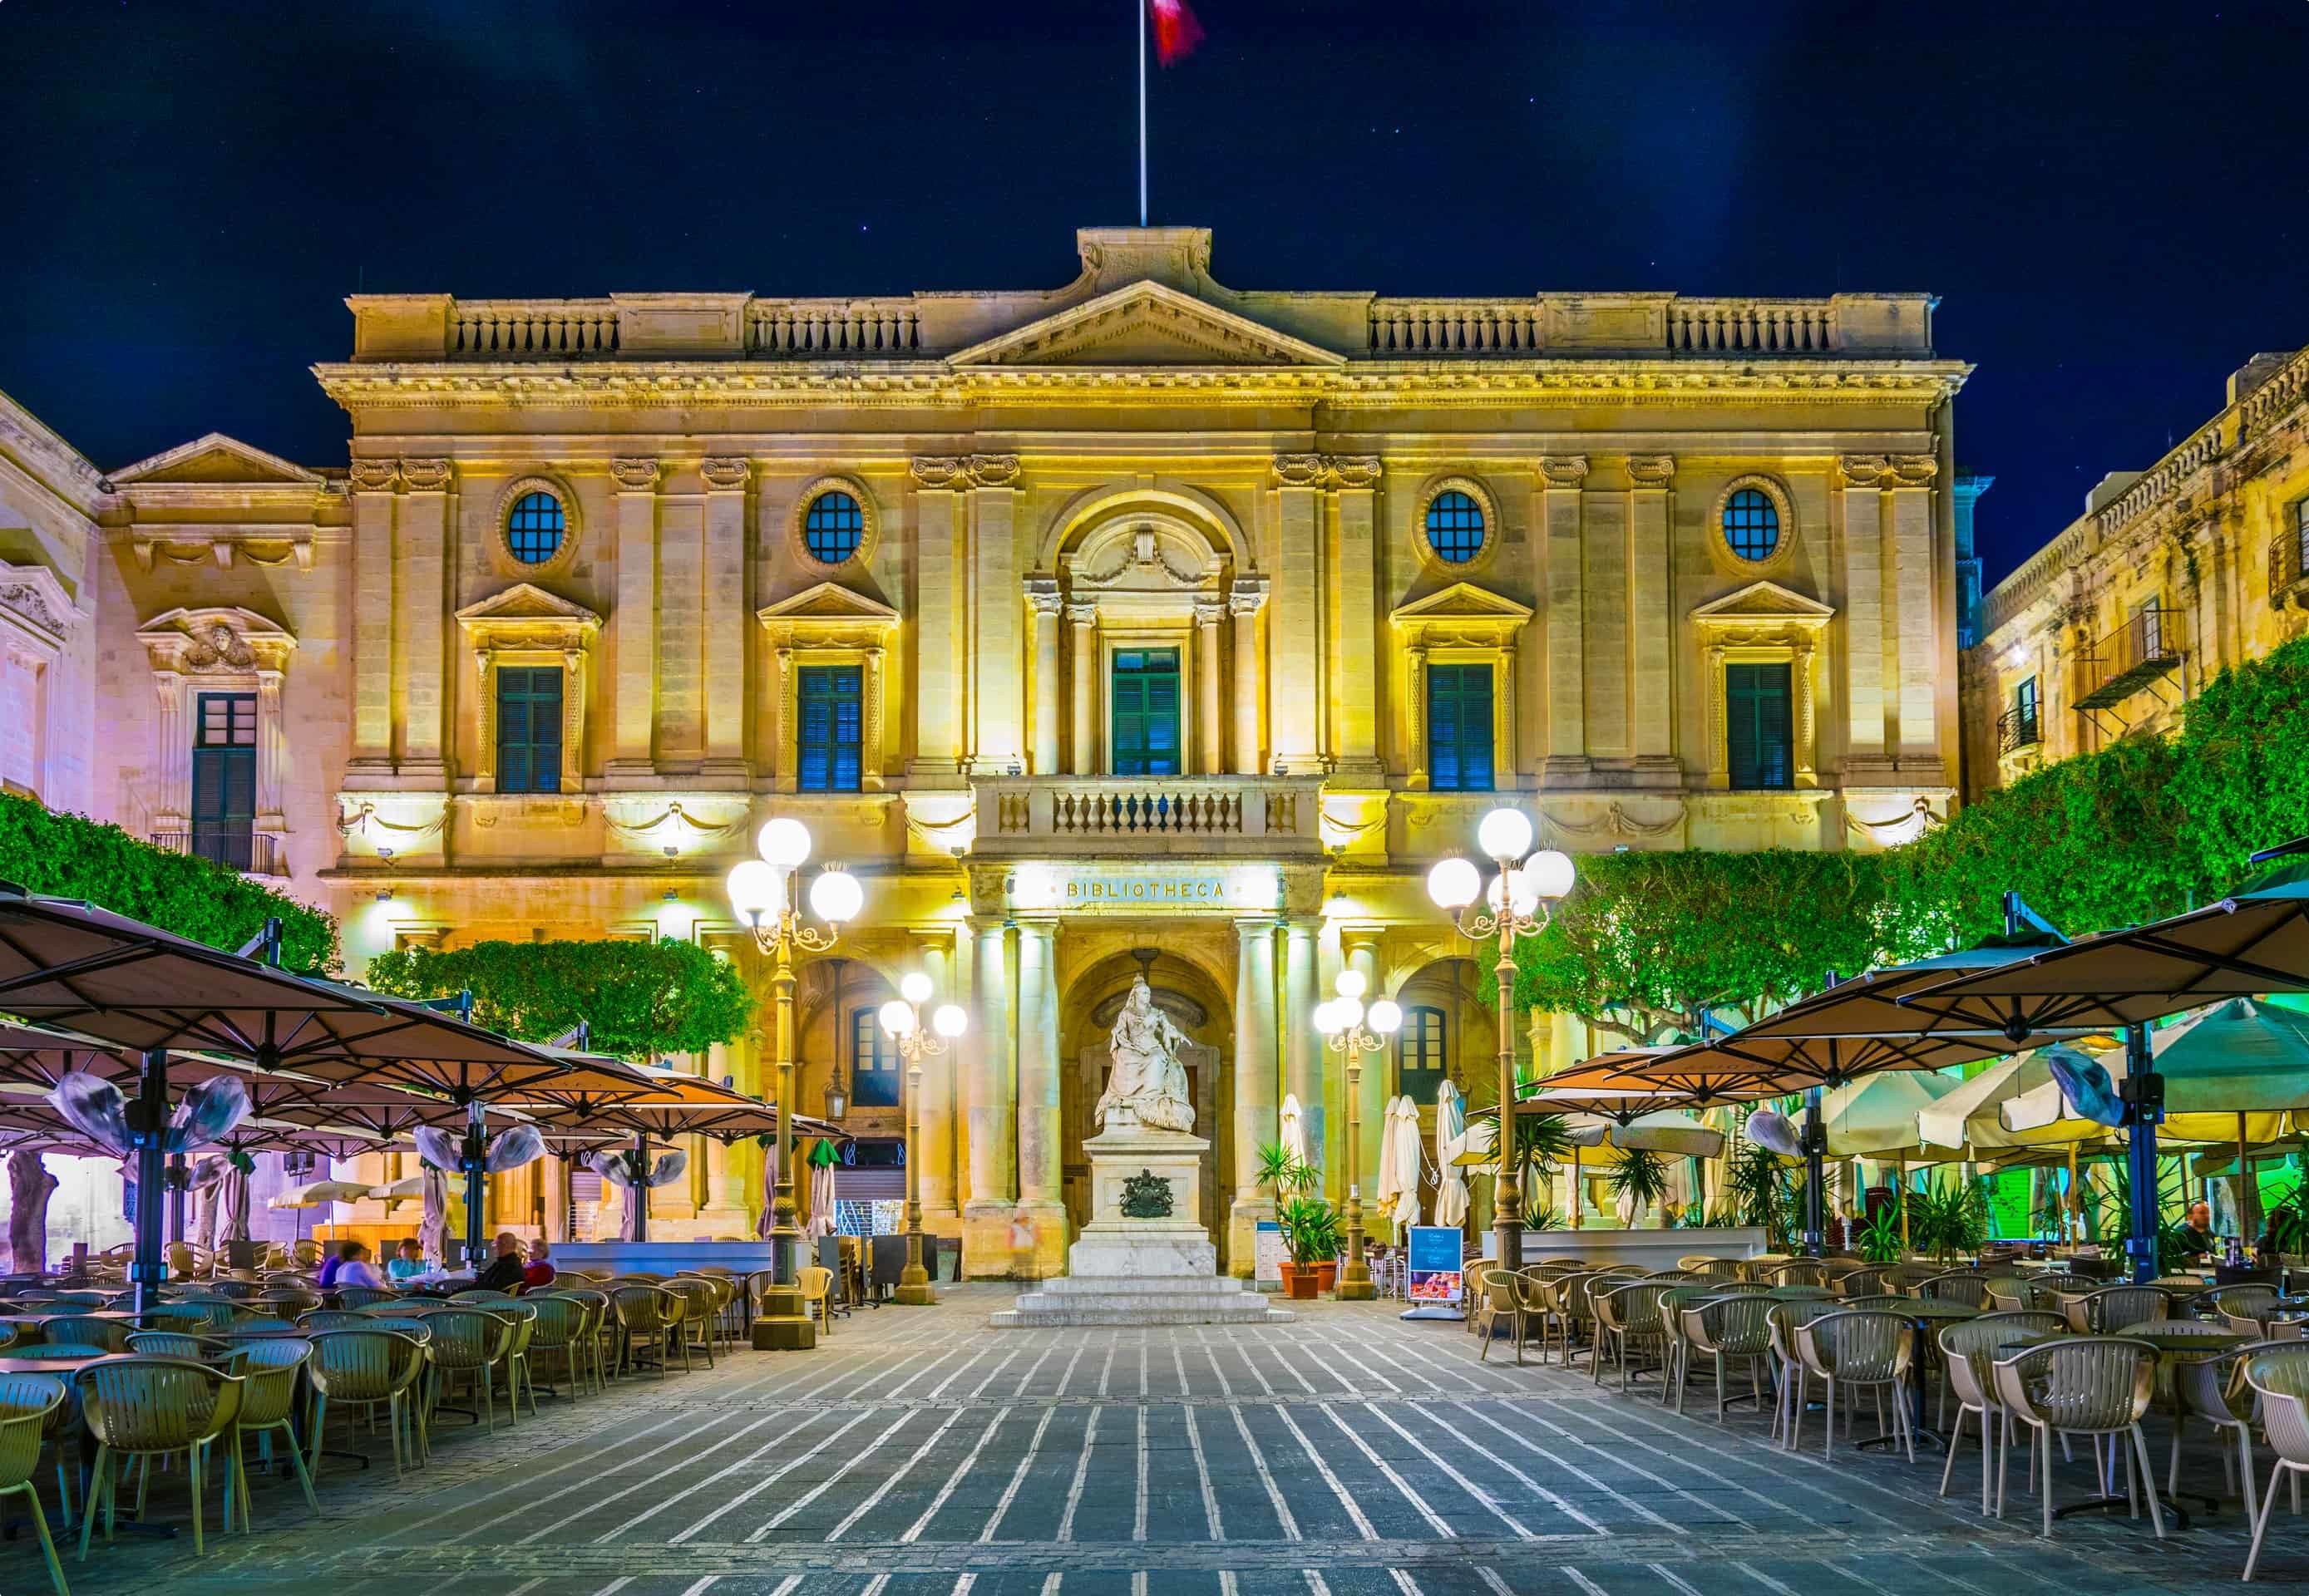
x: 2107, y: 196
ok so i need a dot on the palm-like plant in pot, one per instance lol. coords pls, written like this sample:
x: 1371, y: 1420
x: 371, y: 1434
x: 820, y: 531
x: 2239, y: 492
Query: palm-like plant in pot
x: 1638, y: 1181
x: 1310, y: 1231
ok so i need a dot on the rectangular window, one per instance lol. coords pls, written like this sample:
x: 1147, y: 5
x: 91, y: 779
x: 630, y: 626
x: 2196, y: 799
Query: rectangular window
x: 873, y: 1062
x: 1758, y: 727
x: 1146, y: 695
x: 832, y: 719
x: 1460, y: 728
x: 224, y: 779
x: 1419, y: 1058
x: 2149, y: 629
x: 529, y: 728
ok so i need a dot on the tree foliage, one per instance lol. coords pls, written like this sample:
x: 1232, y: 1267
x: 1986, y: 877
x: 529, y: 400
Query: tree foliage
x: 642, y: 999
x: 70, y: 856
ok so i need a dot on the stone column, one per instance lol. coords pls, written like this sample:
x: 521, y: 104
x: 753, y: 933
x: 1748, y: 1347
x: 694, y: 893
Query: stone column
x: 997, y: 745
x: 1604, y: 622
x: 1042, y: 597
x: 1917, y: 640
x: 1082, y: 722
x: 934, y: 1143
x: 964, y: 969
x: 1360, y: 945
x: 1296, y: 628
x: 1255, y: 1084
x: 1243, y: 602
x: 937, y: 586
x: 373, y: 482
x: 1302, y: 1044
x: 172, y: 756
x: 1561, y: 503
x: 633, y: 698
x: 420, y: 577
x: 1360, y: 657
x: 722, y: 658
x: 1863, y: 616
x: 988, y: 1089
x: 1210, y: 735
x: 1040, y: 1160
x: 270, y: 741
x: 721, y: 1195
x: 1651, y: 651
x: 554, y: 1175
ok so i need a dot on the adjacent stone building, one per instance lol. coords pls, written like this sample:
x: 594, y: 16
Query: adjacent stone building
x: 1141, y: 624
x: 2169, y: 577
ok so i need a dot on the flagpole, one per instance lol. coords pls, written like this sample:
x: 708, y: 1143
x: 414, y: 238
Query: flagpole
x: 1141, y: 4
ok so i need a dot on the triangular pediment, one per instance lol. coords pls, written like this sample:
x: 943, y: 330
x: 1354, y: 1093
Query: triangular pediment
x: 215, y: 460
x: 828, y: 601
x: 525, y: 602
x: 1146, y: 324
x: 1462, y: 601
x: 1764, y: 601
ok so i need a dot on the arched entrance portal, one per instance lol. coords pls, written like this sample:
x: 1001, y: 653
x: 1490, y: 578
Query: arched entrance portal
x: 1189, y: 992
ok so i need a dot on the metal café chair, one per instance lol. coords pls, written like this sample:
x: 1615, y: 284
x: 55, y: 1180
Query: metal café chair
x: 1860, y: 1350
x: 2279, y: 1376
x: 2095, y: 1385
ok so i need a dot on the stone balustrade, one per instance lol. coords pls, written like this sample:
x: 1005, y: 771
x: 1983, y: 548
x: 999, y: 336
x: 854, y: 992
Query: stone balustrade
x: 833, y: 327
x: 1123, y: 815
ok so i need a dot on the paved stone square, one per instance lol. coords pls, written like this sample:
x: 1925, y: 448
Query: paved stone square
x: 918, y: 1451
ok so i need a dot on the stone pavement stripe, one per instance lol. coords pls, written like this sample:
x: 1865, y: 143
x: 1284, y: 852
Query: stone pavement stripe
x: 1560, y: 1504
x: 1763, y: 1579
x: 1435, y: 1520
x: 691, y: 1531
x: 1202, y: 1468
x: 1033, y: 1369
x: 1082, y: 1467
x: 1673, y: 1580
x: 1282, y: 1515
x: 1315, y: 1584
x: 1348, y: 1357
x: 1489, y: 1501
x: 1665, y: 1458
x: 1597, y: 1481
x: 1582, y: 1581
x: 945, y: 1491
x: 699, y: 1587
x: 1138, y: 1502
x: 594, y: 1505
x: 874, y: 1498
x: 1018, y: 1478
x: 1242, y: 1350
x: 831, y: 1481
x: 1355, y: 1513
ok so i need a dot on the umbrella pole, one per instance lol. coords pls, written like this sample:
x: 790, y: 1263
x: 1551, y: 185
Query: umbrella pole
x: 2072, y: 1203
x: 637, y: 1224
x: 1578, y: 1195
x: 1901, y: 1196
x: 1815, y: 1142
x: 474, y: 1161
x: 150, y: 1268
x: 180, y: 1181
x: 2144, y: 1107
x: 2245, y: 1193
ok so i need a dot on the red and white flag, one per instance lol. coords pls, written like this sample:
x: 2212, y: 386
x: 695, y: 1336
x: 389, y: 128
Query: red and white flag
x: 1176, y: 32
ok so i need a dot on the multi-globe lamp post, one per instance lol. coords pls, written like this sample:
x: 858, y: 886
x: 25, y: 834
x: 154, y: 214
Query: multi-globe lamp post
x: 901, y: 1018
x: 1350, y: 1030
x: 1521, y: 899
x: 761, y: 894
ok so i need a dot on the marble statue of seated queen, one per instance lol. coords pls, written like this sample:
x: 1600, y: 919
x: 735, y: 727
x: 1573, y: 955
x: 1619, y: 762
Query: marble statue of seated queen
x: 1147, y: 1086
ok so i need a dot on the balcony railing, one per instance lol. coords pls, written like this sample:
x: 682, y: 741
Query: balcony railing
x: 2017, y: 729
x: 252, y: 853
x: 2144, y: 650
x: 2288, y: 566
x: 1156, y: 815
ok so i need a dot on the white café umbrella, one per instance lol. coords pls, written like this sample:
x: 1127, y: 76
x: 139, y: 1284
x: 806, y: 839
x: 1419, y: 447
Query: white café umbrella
x: 1407, y: 1158
x: 1451, y: 1141
x: 433, y: 1223
x: 1293, y: 1131
x: 1390, y: 1126
x: 319, y: 1194
x: 821, y: 1202
x: 769, y: 1219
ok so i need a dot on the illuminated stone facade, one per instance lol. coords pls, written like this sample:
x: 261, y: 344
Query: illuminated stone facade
x: 2169, y: 577
x: 1159, y: 626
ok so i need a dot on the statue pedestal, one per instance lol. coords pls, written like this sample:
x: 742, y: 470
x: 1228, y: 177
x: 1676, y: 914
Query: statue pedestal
x: 1153, y: 1264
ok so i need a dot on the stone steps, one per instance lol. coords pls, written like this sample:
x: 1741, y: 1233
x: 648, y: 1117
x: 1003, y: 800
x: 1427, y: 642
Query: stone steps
x: 1084, y: 1300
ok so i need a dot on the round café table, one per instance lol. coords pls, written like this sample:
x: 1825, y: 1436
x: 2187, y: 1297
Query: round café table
x: 1924, y: 1316
x: 2177, y: 1349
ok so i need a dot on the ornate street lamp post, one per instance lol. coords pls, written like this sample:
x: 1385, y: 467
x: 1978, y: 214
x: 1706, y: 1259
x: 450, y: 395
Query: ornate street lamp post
x: 1522, y: 899
x: 1352, y: 1029
x: 901, y: 1018
x: 761, y: 894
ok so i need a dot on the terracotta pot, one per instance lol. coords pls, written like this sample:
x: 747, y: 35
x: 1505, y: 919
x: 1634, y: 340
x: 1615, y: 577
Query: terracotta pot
x: 1327, y: 1275
x: 1300, y: 1281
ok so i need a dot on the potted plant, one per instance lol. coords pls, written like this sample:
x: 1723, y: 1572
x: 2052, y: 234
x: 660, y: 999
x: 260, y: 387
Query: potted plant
x: 1638, y: 1181
x: 1310, y: 1231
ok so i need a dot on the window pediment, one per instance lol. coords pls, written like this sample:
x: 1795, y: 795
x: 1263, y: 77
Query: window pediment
x: 221, y: 641
x: 1462, y: 615
x: 828, y: 616
x: 36, y: 602
x: 525, y: 616
x: 1146, y: 324
x: 1765, y: 605
x: 215, y: 459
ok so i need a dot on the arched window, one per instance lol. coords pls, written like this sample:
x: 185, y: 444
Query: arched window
x: 1421, y: 1061
x: 1751, y: 524
x: 873, y: 1062
x: 534, y: 528
x: 833, y: 528
x: 1454, y: 526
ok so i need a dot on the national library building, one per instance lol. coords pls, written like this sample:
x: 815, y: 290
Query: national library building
x: 1135, y: 626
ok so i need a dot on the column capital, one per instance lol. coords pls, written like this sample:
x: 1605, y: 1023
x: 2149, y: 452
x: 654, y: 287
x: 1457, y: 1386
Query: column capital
x: 1248, y: 596
x: 1208, y: 612
x: 425, y: 476
x: 1300, y: 471
x: 725, y: 473
x: 635, y: 473
x: 375, y: 476
x: 1251, y: 926
x: 1043, y: 594
x: 1651, y: 470
x: 1563, y: 471
x: 1863, y: 470
x: 1082, y: 612
x: 993, y: 470
x: 1915, y: 470
x: 1355, y: 472
x: 940, y: 471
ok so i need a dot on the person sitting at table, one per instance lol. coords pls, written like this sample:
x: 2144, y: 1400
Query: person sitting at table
x: 540, y: 1271
x: 409, y: 1263
x: 354, y: 1269
x: 332, y: 1261
x: 2196, y: 1232
x: 507, y: 1269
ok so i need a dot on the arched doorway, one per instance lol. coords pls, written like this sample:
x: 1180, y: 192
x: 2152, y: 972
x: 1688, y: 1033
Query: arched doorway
x: 1199, y: 1006
x: 1449, y: 1033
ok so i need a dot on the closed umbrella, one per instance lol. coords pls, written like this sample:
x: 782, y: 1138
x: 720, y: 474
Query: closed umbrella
x: 768, y: 1222
x: 1390, y: 1126
x: 821, y: 1191
x: 232, y: 1198
x: 1294, y: 1129
x: 1406, y: 1160
x: 433, y: 1223
x: 320, y: 1194
x: 1450, y: 1142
